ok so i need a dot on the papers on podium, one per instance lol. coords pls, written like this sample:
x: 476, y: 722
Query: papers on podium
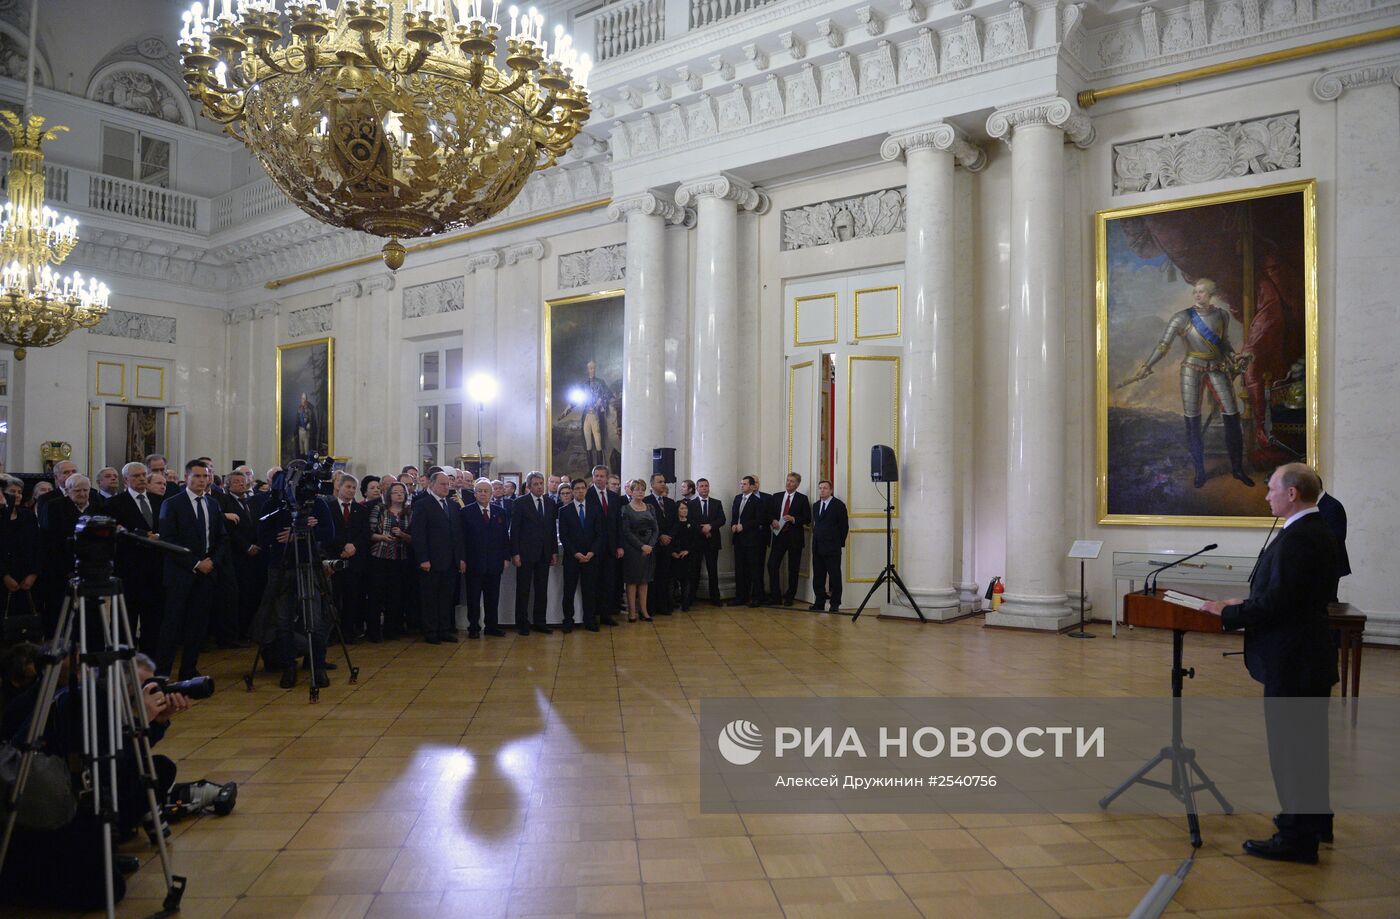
x: 1181, y: 599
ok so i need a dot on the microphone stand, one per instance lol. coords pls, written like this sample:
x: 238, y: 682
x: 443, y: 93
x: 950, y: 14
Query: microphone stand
x: 1149, y: 584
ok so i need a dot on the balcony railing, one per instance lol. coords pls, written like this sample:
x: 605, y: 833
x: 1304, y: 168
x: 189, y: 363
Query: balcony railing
x: 104, y: 194
x: 707, y: 12
x: 626, y: 26
x: 248, y: 202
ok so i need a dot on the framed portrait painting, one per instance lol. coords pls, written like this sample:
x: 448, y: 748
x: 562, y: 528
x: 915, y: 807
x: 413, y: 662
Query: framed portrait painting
x: 583, y: 382
x: 305, y: 399
x: 1207, y: 354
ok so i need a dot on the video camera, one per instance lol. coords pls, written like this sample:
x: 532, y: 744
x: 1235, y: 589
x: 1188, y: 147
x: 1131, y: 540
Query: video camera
x: 95, y: 546
x: 293, y: 491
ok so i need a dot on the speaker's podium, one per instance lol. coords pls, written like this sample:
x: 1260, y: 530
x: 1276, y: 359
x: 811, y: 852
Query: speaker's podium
x: 1151, y: 610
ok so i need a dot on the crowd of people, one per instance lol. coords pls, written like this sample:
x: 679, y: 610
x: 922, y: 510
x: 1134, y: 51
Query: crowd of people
x: 400, y: 552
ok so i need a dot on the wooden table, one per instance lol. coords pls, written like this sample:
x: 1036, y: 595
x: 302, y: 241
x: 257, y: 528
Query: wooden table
x: 1349, y: 626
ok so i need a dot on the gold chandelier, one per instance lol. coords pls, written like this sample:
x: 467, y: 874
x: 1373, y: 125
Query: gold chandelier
x: 38, y: 307
x: 394, y: 118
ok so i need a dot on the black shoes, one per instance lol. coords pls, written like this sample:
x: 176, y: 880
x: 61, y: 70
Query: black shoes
x: 126, y: 864
x: 568, y: 627
x: 495, y: 632
x: 432, y: 639
x: 323, y: 679
x: 592, y: 627
x: 525, y: 632
x: 816, y: 608
x: 289, y: 678
x: 1243, y: 478
x: 450, y: 637
x: 1322, y: 835
x: 473, y: 634
x: 1279, y: 849
x: 543, y: 629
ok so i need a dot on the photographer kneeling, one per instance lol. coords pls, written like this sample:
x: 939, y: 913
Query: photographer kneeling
x: 294, y: 541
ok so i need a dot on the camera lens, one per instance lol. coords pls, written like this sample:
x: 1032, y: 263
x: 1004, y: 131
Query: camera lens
x: 201, y: 687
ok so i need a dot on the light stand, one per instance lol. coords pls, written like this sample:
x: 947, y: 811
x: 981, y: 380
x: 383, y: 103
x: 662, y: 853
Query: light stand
x: 481, y: 389
x: 890, y: 575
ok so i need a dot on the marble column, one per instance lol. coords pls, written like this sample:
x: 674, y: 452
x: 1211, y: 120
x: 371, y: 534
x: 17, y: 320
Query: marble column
x: 371, y: 450
x: 481, y: 268
x: 519, y: 327
x: 644, y: 317
x: 928, y: 429
x: 716, y: 377
x: 1035, y: 464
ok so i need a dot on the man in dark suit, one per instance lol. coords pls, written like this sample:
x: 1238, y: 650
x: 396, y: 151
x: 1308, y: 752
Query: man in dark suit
x: 249, y: 565
x: 189, y: 518
x: 663, y: 508
x: 791, y: 512
x: 707, y: 514
x: 830, y: 527
x: 351, y: 543
x: 608, y: 509
x: 583, y: 532
x: 1335, y: 515
x: 534, y: 549
x: 56, y: 525
x: 141, y: 570
x: 1287, y: 647
x: 486, y: 533
x: 746, y: 533
x: 438, y: 546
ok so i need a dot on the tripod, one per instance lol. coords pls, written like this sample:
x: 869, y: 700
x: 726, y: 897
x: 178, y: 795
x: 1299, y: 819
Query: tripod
x: 1187, y: 775
x: 890, y: 574
x: 312, y: 590
x: 106, y: 655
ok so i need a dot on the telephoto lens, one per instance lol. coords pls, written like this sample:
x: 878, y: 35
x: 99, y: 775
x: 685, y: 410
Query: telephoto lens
x: 201, y: 687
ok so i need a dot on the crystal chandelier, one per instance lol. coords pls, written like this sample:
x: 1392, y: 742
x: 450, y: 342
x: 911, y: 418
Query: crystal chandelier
x: 38, y: 307
x: 394, y: 118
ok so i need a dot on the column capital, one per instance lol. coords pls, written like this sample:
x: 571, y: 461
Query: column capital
x: 490, y: 258
x: 348, y: 291
x: 725, y: 187
x: 375, y: 283
x: 650, y: 203
x: 941, y: 136
x: 530, y: 248
x: 1331, y: 84
x: 1055, y: 111
x: 238, y: 315
x: 266, y: 308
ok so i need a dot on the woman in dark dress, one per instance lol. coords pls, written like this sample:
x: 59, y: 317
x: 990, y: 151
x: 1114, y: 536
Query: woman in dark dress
x: 640, y: 534
x: 682, y: 549
x: 19, y: 550
x: 389, y: 571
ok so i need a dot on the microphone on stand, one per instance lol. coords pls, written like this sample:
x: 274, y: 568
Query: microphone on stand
x: 1260, y: 557
x: 1149, y: 585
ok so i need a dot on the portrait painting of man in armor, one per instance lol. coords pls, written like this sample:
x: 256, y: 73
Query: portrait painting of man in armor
x: 584, y: 382
x: 1207, y: 354
x: 305, y: 399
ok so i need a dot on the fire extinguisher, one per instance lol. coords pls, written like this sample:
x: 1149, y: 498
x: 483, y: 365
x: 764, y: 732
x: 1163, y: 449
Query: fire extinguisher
x: 994, y: 592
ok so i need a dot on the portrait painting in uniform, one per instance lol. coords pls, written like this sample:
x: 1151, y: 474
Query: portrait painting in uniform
x: 305, y: 399
x: 583, y: 382
x: 1207, y: 354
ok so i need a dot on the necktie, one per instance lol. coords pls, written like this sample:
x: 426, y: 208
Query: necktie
x: 345, y: 512
x: 203, y: 524
x: 442, y: 503
x: 539, y: 507
x: 603, y: 496
x: 582, y: 517
x: 787, y: 503
x: 704, y: 509
x: 486, y: 513
x: 146, y: 511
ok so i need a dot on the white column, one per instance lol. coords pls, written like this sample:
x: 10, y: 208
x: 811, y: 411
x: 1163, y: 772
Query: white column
x: 519, y: 324
x: 928, y: 429
x: 1035, y: 465
x: 715, y: 364
x: 481, y: 349
x: 644, y: 318
x: 371, y: 450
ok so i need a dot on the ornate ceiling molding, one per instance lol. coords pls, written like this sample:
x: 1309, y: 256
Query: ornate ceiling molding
x: 725, y: 187
x: 649, y: 203
x: 491, y: 258
x: 1333, y: 83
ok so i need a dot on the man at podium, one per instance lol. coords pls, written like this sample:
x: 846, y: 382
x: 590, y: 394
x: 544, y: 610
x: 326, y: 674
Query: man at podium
x: 1288, y: 648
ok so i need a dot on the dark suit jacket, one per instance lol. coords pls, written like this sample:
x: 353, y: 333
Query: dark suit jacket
x: 613, y: 531
x: 715, y: 519
x: 1287, y: 643
x: 245, y: 532
x: 178, y: 525
x: 794, y: 534
x: 56, y: 525
x: 754, y: 520
x: 356, y: 532
x: 132, y: 561
x: 437, y: 537
x: 19, y: 543
x: 582, y: 538
x: 1336, y: 516
x: 487, y: 545
x: 829, y: 530
x: 124, y: 510
x: 532, y: 534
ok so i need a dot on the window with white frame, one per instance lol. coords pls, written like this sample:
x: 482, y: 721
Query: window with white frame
x: 439, y: 408
x: 131, y: 154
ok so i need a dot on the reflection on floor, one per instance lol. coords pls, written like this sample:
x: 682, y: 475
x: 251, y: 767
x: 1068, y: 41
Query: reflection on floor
x: 556, y: 776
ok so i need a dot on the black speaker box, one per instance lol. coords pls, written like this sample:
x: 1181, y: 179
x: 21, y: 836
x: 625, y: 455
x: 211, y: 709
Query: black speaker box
x: 883, y: 467
x: 663, y: 462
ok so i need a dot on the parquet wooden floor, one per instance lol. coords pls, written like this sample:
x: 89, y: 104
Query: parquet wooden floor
x: 556, y: 776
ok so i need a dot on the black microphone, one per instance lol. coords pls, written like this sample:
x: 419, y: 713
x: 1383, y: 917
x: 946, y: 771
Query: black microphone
x: 1260, y: 557
x: 1150, y: 584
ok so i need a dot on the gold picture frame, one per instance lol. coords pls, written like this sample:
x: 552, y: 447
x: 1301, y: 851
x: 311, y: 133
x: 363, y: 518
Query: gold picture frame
x: 609, y: 370
x: 297, y: 365
x: 1149, y: 262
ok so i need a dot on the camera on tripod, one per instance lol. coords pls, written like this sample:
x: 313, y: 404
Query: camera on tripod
x: 292, y: 493
x: 95, y: 547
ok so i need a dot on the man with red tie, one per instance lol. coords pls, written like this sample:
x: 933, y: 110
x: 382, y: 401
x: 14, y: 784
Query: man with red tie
x: 608, y: 507
x: 791, y: 514
x: 351, y: 544
x: 486, y: 530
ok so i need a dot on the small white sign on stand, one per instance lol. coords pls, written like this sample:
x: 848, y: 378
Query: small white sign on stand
x: 1082, y: 549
